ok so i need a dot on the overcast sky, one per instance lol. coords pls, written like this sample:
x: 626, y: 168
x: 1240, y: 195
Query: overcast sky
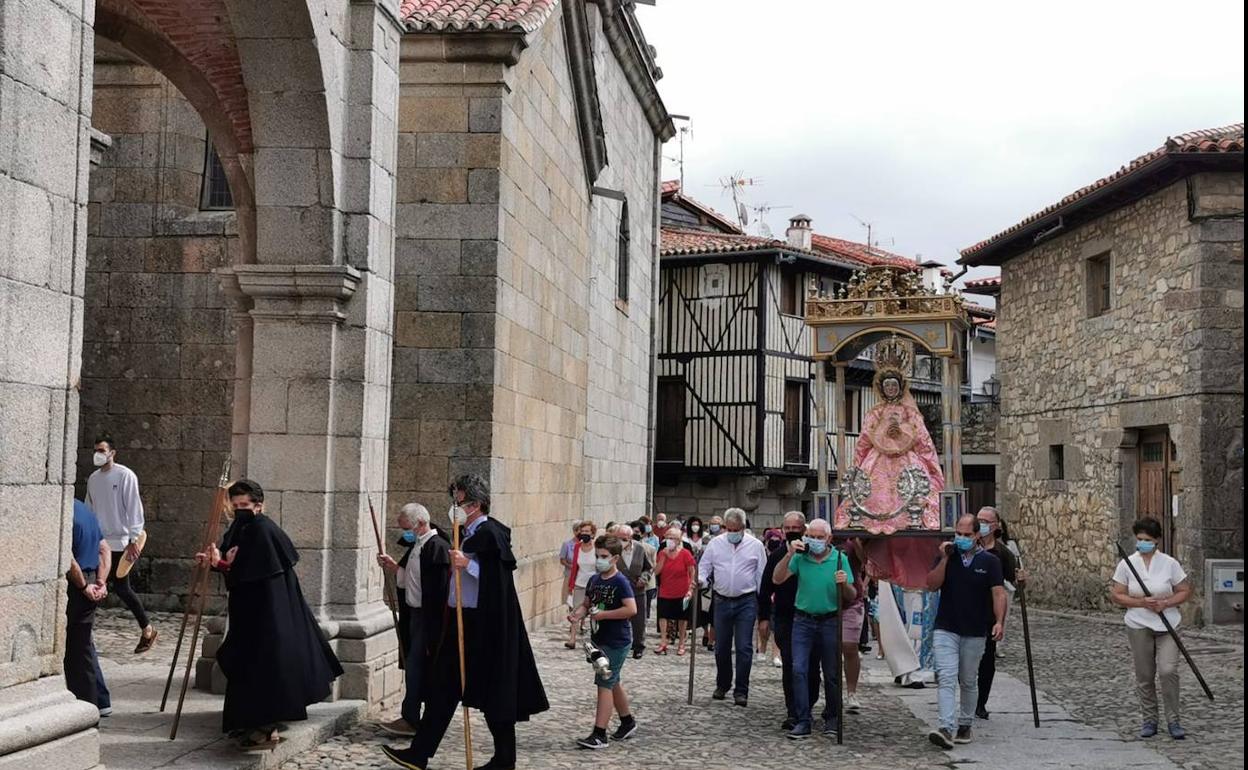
x: 940, y: 123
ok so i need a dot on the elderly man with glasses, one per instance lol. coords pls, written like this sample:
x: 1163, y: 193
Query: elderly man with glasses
x: 733, y: 564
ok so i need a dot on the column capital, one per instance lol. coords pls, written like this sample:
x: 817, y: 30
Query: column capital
x: 306, y: 293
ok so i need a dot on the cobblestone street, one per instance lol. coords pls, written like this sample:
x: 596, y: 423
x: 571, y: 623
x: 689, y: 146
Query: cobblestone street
x: 1087, y: 709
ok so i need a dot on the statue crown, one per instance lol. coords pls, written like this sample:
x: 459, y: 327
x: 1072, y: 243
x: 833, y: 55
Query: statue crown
x: 894, y: 354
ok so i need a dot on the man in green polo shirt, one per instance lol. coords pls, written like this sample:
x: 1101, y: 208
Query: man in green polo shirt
x: 824, y: 585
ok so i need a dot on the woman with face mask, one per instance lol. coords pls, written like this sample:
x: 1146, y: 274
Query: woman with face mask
x: 582, y: 570
x: 675, y: 567
x: 1153, y: 650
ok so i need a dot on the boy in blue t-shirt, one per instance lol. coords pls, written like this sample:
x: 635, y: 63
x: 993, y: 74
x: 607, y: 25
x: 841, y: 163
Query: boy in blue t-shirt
x: 610, y: 603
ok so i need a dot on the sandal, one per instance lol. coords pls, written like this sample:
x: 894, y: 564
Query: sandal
x: 661, y: 651
x: 680, y: 650
x: 570, y: 645
x: 260, y: 741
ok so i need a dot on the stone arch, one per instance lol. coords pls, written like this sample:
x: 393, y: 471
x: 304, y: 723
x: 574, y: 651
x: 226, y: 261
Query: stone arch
x: 229, y: 127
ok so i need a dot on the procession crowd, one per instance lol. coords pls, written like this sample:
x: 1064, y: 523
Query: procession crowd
x: 796, y: 590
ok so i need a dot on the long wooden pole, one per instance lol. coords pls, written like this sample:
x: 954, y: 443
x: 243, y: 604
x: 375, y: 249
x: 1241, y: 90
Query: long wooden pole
x: 387, y: 587
x: 186, y: 614
x: 1166, y: 622
x: 199, y: 595
x: 1031, y: 672
x: 459, y: 633
x: 693, y: 642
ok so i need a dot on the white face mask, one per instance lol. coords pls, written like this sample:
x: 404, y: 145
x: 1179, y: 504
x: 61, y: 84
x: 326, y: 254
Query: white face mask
x: 457, y: 515
x: 100, y: 459
x: 673, y: 544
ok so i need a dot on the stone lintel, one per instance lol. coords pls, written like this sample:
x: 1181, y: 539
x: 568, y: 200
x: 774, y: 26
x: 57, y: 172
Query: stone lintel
x: 305, y: 293
x: 498, y: 47
x: 100, y: 142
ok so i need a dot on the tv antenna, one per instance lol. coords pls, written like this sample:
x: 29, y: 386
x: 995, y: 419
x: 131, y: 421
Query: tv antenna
x: 869, y: 226
x: 735, y: 183
x: 680, y: 158
x: 760, y: 212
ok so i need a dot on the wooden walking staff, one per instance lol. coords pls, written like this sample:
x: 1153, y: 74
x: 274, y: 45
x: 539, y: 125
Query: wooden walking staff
x: 387, y: 586
x: 459, y: 633
x: 198, y: 594
x: 1166, y: 622
x: 693, y: 642
x: 1031, y: 673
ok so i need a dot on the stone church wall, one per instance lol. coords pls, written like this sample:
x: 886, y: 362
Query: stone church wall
x: 1160, y: 357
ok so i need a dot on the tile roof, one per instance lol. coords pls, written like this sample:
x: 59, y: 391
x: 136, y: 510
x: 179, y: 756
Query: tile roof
x: 859, y: 252
x: 680, y: 242
x: 1224, y: 140
x: 670, y: 187
x: 987, y: 286
x: 475, y: 15
x: 671, y: 192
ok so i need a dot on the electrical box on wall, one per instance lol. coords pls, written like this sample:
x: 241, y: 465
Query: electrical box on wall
x: 1224, y: 591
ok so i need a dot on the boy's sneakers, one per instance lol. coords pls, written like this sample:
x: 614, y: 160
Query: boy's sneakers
x: 800, y: 731
x: 1176, y: 731
x: 596, y: 740
x: 963, y: 735
x: 941, y: 738
x: 626, y: 730
x: 1148, y: 729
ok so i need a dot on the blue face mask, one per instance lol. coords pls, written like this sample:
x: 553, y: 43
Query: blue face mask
x: 984, y: 529
x: 815, y: 545
x: 602, y: 565
x: 735, y: 537
x: 714, y: 529
x: 963, y: 542
x: 648, y: 530
x: 1145, y: 546
x: 408, y: 536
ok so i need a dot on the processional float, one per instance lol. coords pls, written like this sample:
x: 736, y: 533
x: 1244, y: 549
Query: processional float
x: 894, y: 490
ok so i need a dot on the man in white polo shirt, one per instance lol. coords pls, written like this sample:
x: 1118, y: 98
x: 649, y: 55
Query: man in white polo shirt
x: 734, y: 563
x: 113, y: 493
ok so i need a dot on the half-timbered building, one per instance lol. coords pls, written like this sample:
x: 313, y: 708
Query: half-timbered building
x: 736, y: 418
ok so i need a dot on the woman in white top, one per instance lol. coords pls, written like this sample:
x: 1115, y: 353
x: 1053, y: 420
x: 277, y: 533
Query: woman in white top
x: 583, y: 569
x: 1152, y: 648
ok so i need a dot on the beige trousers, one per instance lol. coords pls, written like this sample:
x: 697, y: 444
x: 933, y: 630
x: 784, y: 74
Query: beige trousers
x: 1155, y: 655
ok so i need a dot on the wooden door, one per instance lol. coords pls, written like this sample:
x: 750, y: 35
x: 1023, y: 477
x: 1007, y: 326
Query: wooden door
x: 1153, y: 499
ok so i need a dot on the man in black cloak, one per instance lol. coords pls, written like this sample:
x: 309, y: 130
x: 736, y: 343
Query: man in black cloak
x: 502, y: 678
x: 274, y: 657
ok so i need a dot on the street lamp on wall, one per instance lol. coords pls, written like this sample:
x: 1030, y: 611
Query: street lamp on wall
x: 992, y: 388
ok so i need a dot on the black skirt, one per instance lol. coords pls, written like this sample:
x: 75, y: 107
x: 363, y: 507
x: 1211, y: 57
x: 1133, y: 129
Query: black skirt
x: 672, y: 609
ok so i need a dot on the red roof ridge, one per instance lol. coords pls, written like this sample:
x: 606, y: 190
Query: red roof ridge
x: 1226, y: 139
x: 475, y: 15
x: 860, y: 252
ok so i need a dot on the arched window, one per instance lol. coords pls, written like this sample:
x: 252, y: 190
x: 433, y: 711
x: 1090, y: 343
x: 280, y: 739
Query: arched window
x: 621, y: 257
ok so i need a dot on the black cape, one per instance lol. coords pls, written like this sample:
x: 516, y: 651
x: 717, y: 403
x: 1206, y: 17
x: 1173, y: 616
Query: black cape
x: 502, y: 677
x: 275, y: 660
x: 434, y: 565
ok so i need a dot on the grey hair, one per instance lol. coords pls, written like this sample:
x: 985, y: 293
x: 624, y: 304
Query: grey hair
x: 821, y: 523
x: 623, y: 531
x: 475, y: 489
x: 801, y: 517
x: 416, y: 512
x: 734, y: 515
x: 994, y: 511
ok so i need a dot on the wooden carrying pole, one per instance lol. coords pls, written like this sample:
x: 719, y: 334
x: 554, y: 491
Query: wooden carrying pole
x: 1166, y: 622
x: 198, y: 595
x: 387, y: 586
x: 1031, y: 673
x: 459, y: 634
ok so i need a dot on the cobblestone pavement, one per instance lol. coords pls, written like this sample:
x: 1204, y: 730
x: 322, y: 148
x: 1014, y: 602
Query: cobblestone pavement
x: 1084, y: 663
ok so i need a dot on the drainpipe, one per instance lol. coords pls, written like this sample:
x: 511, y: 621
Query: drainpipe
x: 651, y: 407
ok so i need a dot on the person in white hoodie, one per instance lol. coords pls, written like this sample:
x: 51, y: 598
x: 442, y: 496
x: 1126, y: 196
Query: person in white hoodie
x: 113, y: 493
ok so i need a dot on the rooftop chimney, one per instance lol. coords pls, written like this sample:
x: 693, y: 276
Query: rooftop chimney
x: 798, y: 234
x: 932, y: 280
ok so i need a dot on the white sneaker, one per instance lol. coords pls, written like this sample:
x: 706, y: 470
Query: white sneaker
x: 852, y: 706
x: 777, y: 662
x: 107, y: 711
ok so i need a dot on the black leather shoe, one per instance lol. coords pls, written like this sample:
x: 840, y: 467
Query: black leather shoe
x: 719, y: 694
x: 740, y: 700
x: 492, y: 765
x: 405, y: 758
x: 981, y: 712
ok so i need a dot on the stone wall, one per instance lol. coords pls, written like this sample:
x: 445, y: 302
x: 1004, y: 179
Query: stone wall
x: 1159, y: 357
x: 158, y: 340
x: 765, y: 499
x: 512, y: 357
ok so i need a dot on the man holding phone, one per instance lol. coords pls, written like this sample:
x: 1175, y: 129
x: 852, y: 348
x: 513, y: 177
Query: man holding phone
x: 972, y: 599
x: 825, y: 584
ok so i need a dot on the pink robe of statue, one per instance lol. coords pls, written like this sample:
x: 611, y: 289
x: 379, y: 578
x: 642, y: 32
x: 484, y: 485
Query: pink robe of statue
x: 894, y: 438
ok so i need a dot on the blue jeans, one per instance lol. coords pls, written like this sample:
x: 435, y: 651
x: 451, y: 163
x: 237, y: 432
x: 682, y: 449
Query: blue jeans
x: 816, y: 640
x: 957, y: 661
x: 734, y: 627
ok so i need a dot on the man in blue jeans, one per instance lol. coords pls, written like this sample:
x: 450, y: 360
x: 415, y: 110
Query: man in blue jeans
x: 972, y: 598
x: 824, y: 585
x: 733, y: 563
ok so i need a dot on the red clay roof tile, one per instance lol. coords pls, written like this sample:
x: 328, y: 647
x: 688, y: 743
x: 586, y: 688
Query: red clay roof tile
x: 475, y: 15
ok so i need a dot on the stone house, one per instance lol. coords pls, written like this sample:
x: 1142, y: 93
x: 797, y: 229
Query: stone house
x: 360, y: 247
x: 736, y: 423
x: 1121, y: 343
